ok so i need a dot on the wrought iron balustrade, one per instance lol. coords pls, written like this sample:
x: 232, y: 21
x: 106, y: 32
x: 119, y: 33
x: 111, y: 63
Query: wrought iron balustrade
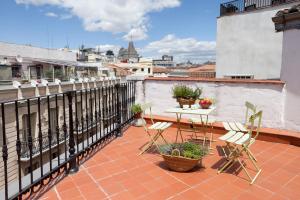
x: 98, y: 114
x: 37, y: 148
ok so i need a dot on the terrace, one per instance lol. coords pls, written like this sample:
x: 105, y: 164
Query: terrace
x: 106, y: 146
x: 117, y: 172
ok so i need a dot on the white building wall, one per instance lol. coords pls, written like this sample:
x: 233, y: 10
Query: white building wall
x: 8, y: 49
x: 290, y: 73
x: 230, y: 99
x: 248, y: 44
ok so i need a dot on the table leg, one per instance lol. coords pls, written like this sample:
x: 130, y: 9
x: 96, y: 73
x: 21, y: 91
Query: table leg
x: 178, y: 127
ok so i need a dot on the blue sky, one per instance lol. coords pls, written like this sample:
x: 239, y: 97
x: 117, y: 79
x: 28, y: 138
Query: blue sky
x: 185, y: 29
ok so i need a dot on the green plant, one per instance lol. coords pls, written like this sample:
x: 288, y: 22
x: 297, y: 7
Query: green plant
x: 183, y: 91
x: 136, y: 108
x: 186, y: 149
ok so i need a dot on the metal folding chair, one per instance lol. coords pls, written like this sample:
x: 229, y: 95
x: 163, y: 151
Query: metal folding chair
x: 242, y: 145
x: 159, y: 127
x: 236, y: 128
x: 206, y: 128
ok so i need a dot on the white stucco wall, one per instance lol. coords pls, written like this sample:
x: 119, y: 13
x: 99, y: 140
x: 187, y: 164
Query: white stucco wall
x: 290, y: 73
x: 230, y: 99
x: 8, y: 49
x: 248, y: 44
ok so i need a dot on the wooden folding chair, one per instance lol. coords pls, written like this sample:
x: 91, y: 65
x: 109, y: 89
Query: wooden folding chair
x: 159, y: 127
x: 242, y: 145
x: 236, y: 128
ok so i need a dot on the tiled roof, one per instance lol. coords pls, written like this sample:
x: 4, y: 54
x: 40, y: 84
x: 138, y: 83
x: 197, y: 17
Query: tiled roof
x: 203, y: 68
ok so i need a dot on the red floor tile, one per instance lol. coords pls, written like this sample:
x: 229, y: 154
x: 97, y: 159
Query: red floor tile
x: 118, y: 172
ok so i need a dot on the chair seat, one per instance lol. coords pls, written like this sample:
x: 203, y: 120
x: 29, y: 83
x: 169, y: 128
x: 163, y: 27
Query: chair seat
x: 160, y: 126
x: 198, y: 120
x: 245, y: 138
x: 227, y: 135
x: 234, y: 126
x: 234, y: 138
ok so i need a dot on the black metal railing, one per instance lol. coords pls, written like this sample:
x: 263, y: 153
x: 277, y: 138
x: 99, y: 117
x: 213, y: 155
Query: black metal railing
x: 25, y: 151
x: 238, y: 6
x: 47, y: 136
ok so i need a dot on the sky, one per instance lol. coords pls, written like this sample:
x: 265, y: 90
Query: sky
x: 185, y: 29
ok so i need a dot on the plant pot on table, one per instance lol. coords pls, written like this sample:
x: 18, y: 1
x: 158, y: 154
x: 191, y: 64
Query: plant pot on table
x: 184, y: 101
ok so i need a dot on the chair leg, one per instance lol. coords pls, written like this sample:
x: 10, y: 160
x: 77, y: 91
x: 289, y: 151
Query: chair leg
x: 150, y: 143
x: 226, y: 165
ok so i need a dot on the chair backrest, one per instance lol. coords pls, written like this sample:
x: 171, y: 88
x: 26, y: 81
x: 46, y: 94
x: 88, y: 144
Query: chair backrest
x: 145, y: 107
x: 250, y: 110
x: 255, y: 121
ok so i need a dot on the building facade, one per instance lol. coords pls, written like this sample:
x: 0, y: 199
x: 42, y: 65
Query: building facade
x: 247, y: 44
x: 165, y: 61
x: 25, y: 63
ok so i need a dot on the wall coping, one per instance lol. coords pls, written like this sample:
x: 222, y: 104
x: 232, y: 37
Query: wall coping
x: 217, y: 80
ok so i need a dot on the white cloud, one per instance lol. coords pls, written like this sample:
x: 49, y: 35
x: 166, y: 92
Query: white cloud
x: 182, y: 49
x: 116, y: 16
x: 51, y: 14
x: 106, y: 47
x: 65, y: 16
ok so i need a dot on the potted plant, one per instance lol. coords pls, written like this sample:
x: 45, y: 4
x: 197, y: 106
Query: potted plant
x: 205, y: 103
x: 182, y: 157
x: 137, y: 112
x: 186, y: 95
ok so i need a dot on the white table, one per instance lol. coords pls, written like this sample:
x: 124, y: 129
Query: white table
x: 192, y: 111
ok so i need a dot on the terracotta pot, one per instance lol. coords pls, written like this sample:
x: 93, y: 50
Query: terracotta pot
x: 183, y: 101
x: 138, y: 115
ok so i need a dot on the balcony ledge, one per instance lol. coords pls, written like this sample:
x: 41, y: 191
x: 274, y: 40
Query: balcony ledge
x: 217, y: 80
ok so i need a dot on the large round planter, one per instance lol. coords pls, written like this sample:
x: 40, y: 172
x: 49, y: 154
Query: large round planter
x: 181, y: 164
x: 183, y: 101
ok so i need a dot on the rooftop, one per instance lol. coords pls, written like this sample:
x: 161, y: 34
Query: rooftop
x: 118, y: 172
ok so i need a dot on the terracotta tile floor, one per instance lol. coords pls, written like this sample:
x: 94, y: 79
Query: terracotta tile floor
x: 117, y: 172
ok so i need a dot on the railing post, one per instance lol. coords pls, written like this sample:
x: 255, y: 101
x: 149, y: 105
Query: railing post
x: 73, y: 167
x: 119, y: 115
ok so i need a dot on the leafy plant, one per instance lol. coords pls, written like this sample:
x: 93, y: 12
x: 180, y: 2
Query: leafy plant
x: 136, y: 108
x: 183, y: 91
x: 186, y: 149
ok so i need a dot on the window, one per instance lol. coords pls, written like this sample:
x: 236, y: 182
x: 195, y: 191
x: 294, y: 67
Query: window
x: 54, y: 155
x: 16, y: 71
x: 149, y: 70
x: 142, y: 69
x: 79, y: 110
x: 53, y: 120
x: 25, y: 125
x: 1, y: 136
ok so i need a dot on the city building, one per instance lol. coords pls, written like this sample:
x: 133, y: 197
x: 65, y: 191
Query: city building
x: 25, y: 63
x: 202, y: 71
x: 144, y: 68
x: 248, y: 47
x: 161, y: 71
x: 128, y: 55
x: 165, y: 61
